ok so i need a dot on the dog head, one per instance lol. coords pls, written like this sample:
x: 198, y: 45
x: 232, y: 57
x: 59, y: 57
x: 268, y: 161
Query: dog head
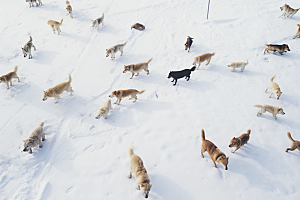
x: 170, y: 74
x: 145, y: 187
x: 100, y: 113
x: 286, y: 47
x: 28, y: 144
x: 94, y: 22
x: 233, y: 142
x: 108, y: 51
x: 283, y: 7
x: 115, y: 94
x: 231, y: 64
x: 280, y: 111
x: 126, y: 68
x: 223, y: 160
x: 46, y: 95
x: 2, y: 78
x: 24, y: 51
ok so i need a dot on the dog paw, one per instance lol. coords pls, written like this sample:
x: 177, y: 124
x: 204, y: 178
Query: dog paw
x: 232, y: 151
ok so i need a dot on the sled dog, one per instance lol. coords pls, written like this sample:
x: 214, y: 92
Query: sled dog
x: 288, y: 11
x: 58, y: 90
x: 214, y: 153
x: 113, y: 50
x: 274, y: 110
x: 34, y: 1
x: 188, y: 43
x: 27, y: 48
x: 241, y: 65
x: 275, y: 88
x: 137, y: 68
x: 237, y: 142
x: 180, y: 74
x: 298, y: 34
x: 119, y: 94
x: 55, y: 25
x: 138, y: 26
x: 8, y: 77
x: 103, y: 111
x: 36, y: 138
x: 98, y: 21
x: 295, y: 143
x: 136, y: 166
x: 274, y: 47
x: 69, y: 9
x: 202, y: 58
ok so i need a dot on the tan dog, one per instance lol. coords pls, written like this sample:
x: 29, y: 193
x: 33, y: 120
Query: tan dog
x: 125, y: 93
x: 214, y: 153
x: 275, y: 88
x: 241, y: 65
x: 295, y: 144
x: 8, y: 77
x: 58, y: 89
x: 137, y: 68
x: 69, y: 8
x: 274, y: 47
x: 36, y: 138
x: 140, y: 173
x: 103, y: 111
x: 56, y: 25
x: 298, y: 34
x: 239, y: 141
x: 288, y: 11
x: 202, y: 58
x: 274, y: 110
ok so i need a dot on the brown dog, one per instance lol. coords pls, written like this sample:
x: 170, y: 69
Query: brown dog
x: 125, y: 93
x: 8, y: 77
x: 137, y: 68
x: 214, y: 153
x: 239, y: 141
x: 69, y: 8
x: 138, y: 26
x: 274, y: 47
x: 298, y: 34
x: 188, y: 43
x: 202, y: 58
x: 295, y: 144
x: 55, y: 24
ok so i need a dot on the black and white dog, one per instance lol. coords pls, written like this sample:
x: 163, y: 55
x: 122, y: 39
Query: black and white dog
x: 27, y: 48
x: 180, y: 74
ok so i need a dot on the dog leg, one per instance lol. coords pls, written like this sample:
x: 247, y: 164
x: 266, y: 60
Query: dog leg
x: 135, y: 97
x: 33, y: 47
x: 242, y: 69
x: 40, y: 144
x: 188, y: 78
x: 130, y: 171
x: 137, y: 74
x: 236, y: 148
x: 233, y: 69
x: 268, y: 88
x: 214, y: 163
x: 18, y: 79
x: 116, y: 101
x: 30, y: 151
x: 274, y: 116
x: 175, y: 82
x: 10, y: 83
x: 202, y: 151
x: 52, y: 26
x: 132, y: 75
x: 208, y: 61
x: 198, y: 66
x: 43, y: 137
x: 119, y: 101
x: 147, y: 71
x: 7, y: 85
x: 138, y: 187
x: 271, y: 94
x: 121, y: 52
x: 293, y: 147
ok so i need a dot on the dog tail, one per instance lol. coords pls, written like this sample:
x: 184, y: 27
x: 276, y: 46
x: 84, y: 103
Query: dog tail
x: 141, y: 92
x: 125, y: 43
x: 16, y: 68
x: 213, y: 53
x: 193, y: 68
x: 249, y: 131
x: 266, y: 45
x: 102, y: 14
x: 30, y: 39
x: 70, y: 79
x: 290, y: 137
x: 130, y: 150
x: 202, y: 135
x: 259, y: 106
x: 61, y: 21
x: 298, y: 25
x: 272, y: 78
x: 149, y: 60
x: 41, y: 124
x: 67, y: 2
x: 247, y: 62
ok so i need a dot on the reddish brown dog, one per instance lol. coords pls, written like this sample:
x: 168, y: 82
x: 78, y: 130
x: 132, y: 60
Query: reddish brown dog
x: 240, y: 141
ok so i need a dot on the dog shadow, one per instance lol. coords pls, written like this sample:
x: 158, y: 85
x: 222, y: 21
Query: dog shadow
x: 152, y: 106
x: 199, y: 86
x: 110, y: 29
x: 121, y: 116
x: 165, y: 188
x: 45, y: 57
x: 75, y: 37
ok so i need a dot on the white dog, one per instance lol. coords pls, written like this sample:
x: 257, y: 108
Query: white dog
x: 274, y: 110
x: 36, y: 138
x: 275, y: 88
x: 113, y: 50
x: 103, y: 111
x: 241, y: 65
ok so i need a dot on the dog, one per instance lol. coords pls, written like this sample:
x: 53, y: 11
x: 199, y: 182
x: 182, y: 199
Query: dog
x: 34, y: 1
x: 295, y: 144
x: 188, y: 44
x: 36, y: 138
x: 69, y: 8
x: 288, y: 11
x: 275, y: 88
x: 214, y: 153
x: 137, y: 68
x: 241, y: 65
x: 8, y: 77
x: 202, y: 58
x: 125, y: 93
x: 275, y: 47
x: 138, y: 26
x: 113, y: 50
x: 271, y: 109
x: 103, y: 111
x: 98, y: 21
x: 298, y: 34
x: 55, y: 24
x: 239, y: 141
x: 58, y: 89
x: 136, y: 166
x: 180, y: 74
x: 27, y: 48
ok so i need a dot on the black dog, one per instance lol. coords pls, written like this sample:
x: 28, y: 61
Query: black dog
x: 188, y: 43
x: 180, y: 74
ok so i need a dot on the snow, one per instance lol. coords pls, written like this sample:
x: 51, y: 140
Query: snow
x: 85, y: 158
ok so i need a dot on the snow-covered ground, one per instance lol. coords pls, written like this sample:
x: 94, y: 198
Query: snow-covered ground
x: 85, y: 158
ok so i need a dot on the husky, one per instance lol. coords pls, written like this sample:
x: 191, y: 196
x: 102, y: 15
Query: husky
x: 137, y: 68
x: 214, y: 153
x: 8, y: 77
x: 188, y: 44
x: 202, y: 58
x: 58, y: 89
x: 34, y: 1
x: 138, y: 26
x: 125, y: 93
x: 298, y: 34
x: 288, y: 11
x: 295, y: 144
x: 275, y: 88
x: 55, y: 24
x: 180, y: 74
x: 69, y: 9
x: 136, y: 166
x: 98, y: 21
x: 103, y: 111
x: 36, y: 138
x: 237, y: 142
x: 275, y: 47
x: 241, y: 65
x: 27, y: 48
x: 274, y: 110
x: 115, y: 49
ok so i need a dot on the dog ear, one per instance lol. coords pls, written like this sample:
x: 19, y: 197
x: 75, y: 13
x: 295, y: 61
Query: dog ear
x: 227, y: 157
x: 233, y: 137
x: 114, y: 92
x: 118, y: 92
x: 150, y: 185
x: 24, y: 141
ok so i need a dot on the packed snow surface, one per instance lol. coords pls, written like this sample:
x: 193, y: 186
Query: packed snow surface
x: 86, y: 158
